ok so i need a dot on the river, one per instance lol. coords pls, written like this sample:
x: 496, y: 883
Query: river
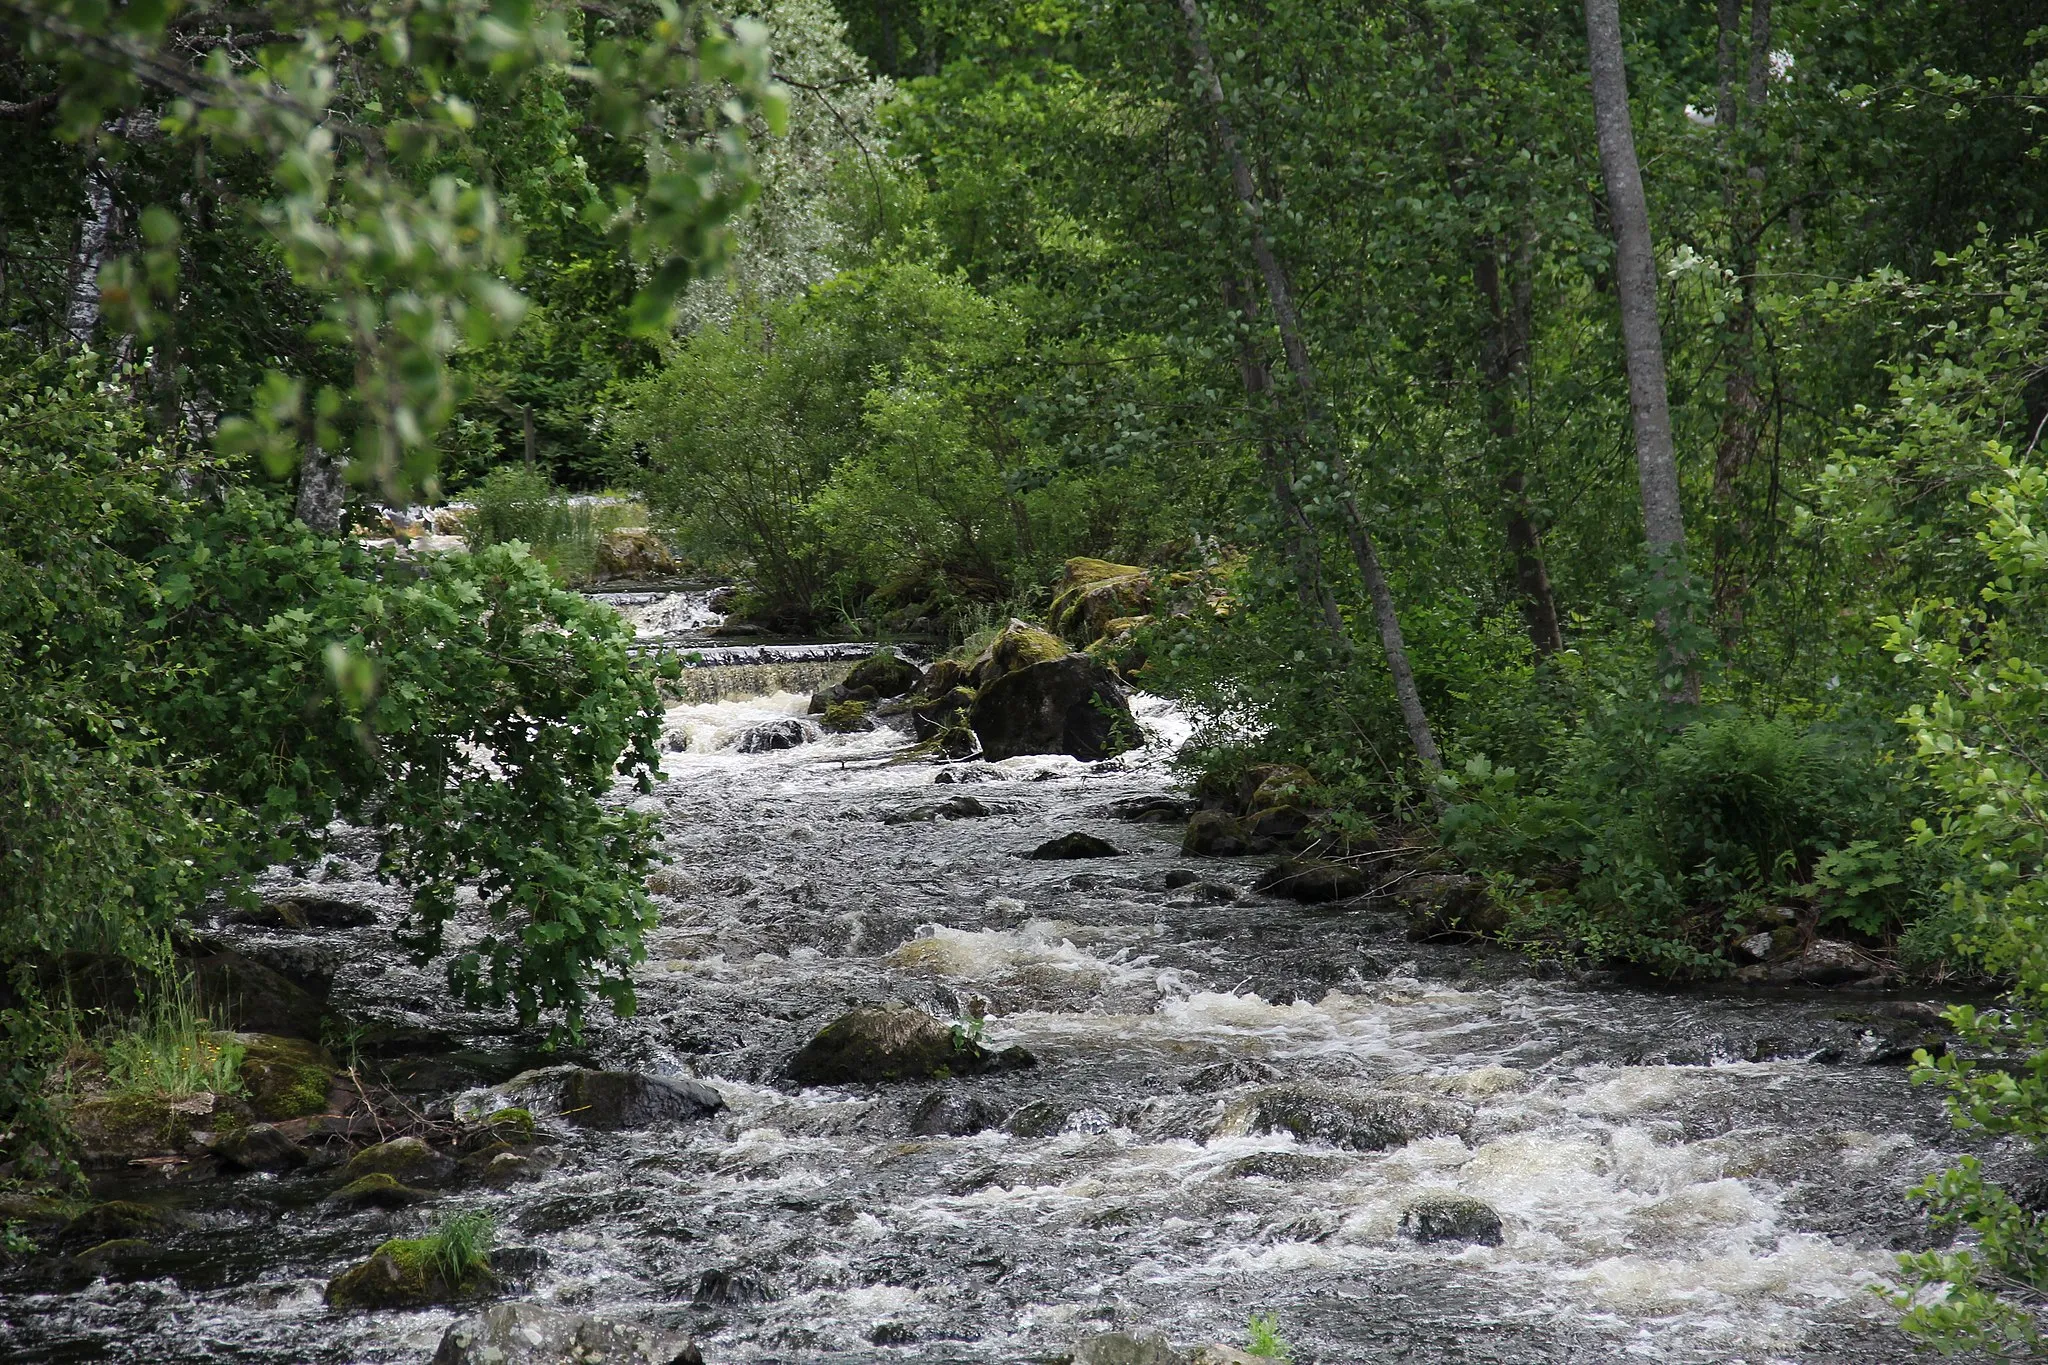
x: 1666, y: 1197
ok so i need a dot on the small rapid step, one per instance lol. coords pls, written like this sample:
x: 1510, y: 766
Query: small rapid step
x: 1406, y: 1151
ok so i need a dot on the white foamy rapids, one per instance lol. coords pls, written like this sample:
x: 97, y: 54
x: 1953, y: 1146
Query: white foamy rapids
x: 713, y: 730
x: 653, y: 615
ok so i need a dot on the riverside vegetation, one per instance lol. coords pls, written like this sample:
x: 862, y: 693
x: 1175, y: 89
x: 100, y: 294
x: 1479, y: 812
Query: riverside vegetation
x: 1595, y: 448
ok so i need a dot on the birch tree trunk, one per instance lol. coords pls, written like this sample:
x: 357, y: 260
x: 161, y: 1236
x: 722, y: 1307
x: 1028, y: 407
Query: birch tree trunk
x: 321, y: 491
x: 1280, y: 297
x: 95, y: 238
x: 1636, y: 285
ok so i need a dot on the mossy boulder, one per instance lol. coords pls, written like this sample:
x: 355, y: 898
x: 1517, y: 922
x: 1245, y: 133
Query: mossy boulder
x: 1214, y: 834
x: 635, y: 553
x: 1366, y: 1121
x: 117, y: 1129
x: 1019, y: 646
x: 374, y: 1191
x: 846, y: 717
x: 287, y: 1078
x: 305, y: 913
x: 512, y: 1124
x: 893, y: 1042
x: 119, y: 1218
x: 885, y: 674
x: 406, y: 1273
x: 1071, y: 704
x: 408, y: 1159
x: 115, y: 1256
x: 1311, y: 881
x: 258, y: 1147
x: 1446, y: 1216
x: 1092, y: 593
x: 1265, y: 785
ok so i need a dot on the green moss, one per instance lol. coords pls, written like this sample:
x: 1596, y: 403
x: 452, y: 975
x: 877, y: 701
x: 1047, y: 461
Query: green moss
x: 1018, y: 647
x: 118, y: 1218
x: 511, y: 1124
x: 375, y: 1191
x: 408, y: 1272
x: 845, y: 717
x: 286, y: 1078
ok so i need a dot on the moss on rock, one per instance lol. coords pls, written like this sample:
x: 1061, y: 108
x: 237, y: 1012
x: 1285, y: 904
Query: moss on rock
x: 374, y: 1191
x: 405, y: 1272
x: 1094, y: 592
x: 845, y: 717
x: 1018, y: 647
x: 287, y: 1078
x: 408, y: 1158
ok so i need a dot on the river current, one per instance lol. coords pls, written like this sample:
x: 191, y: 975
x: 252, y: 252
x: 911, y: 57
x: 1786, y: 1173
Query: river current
x: 1666, y: 1197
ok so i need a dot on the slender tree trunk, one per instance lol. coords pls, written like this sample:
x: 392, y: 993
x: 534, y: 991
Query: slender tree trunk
x: 95, y: 239
x: 322, y: 491
x: 1742, y: 405
x: 1298, y: 533
x: 1503, y: 364
x: 1280, y: 297
x: 1636, y: 284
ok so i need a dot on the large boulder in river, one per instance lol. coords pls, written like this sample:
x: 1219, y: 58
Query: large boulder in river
x: 1069, y: 705
x: 775, y: 734
x: 884, y: 673
x: 534, y: 1334
x: 1447, y: 1216
x: 1093, y: 593
x: 1311, y: 881
x: 286, y: 1078
x: 1366, y: 1121
x: 1214, y: 834
x: 894, y: 1042
x: 613, y: 1100
x: 1020, y: 646
x: 1077, y: 844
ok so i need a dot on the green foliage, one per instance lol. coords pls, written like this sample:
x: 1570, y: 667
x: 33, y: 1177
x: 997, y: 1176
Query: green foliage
x: 170, y: 1051
x: 515, y: 504
x: 460, y: 1246
x: 1263, y: 1339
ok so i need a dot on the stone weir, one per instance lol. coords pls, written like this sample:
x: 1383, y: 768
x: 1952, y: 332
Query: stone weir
x: 722, y: 672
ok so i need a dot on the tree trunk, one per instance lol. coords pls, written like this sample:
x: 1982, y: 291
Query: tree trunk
x: 95, y: 238
x: 1298, y: 533
x: 1280, y: 297
x: 322, y: 491
x: 1505, y: 360
x: 1741, y: 424
x: 1636, y: 285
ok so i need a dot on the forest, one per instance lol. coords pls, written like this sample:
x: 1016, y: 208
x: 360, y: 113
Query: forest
x: 1587, y: 452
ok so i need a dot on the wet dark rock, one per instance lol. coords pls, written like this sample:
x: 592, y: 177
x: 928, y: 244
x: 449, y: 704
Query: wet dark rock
x: 894, y: 1042
x: 511, y: 1124
x: 1072, y: 705
x: 1040, y: 1118
x: 719, y: 1287
x: 953, y: 808
x: 892, y: 1334
x: 504, y: 1165
x: 115, y: 1130
x: 1279, y: 826
x: 613, y: 1100
x: 1444, y: 1216
x: 942, y: 715
x: 120, y: 1218
x: 406, y: 1159
x: 375, y: 1191
x: 723, y: 600
x: 1287, y: 1166
x: 884, y: 674
x: 948, y: 1113
x: 1823, y: 962
x: 534, y: 1334
x: 1366, y: 1121
x: 1075, y: 845
x: 286, y: 1078
x: 1214, y: 834
x: 1228, y: 1075
x: 1151, y: 810
x: 839, y: 694
x: 115, y: 1258
x: 1463, y: 911
x: 775, y: 734
x: 1125, y: 1348
x: 258, y: 1147
x: 248, y: 996
x: 1311, y: 881
x: 1180, y: 877
x: 309, y: 963
x: 305, y: 912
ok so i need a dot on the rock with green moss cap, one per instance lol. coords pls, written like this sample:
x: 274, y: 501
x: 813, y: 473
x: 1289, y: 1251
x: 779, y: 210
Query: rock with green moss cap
x: 1093, y: 593
x: 408, y: 1159
x: 894, y: 1042
x: 846, y: 717
x: 115, y: 1130
x: 885, y: 674
x: 287, y: 1078
x: 374, y: 1191
x: 1019, y: 646
x: 511, y: 1125
x: 408, y: 1272
x: 119, y: 1218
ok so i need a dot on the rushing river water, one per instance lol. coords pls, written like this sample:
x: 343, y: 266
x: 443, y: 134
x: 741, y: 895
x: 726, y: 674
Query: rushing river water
x: 1664, y: 1199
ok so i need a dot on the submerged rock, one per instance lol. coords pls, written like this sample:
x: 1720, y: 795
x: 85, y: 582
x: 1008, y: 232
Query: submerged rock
x: 1311, y: 881
x: 1446, y: 1216
x: 719, y: 1287
x: 1075, y: 845
x: 773, y: 735
x: 614, y: 1100
x: 533, y: 1334
x: 258, y: 1147
x: 894, y: 1042
x: 406, y: 1273
x: 1366, y: 1121
x: 952, y: 808
x: 1151, y: 810
x: 948, y: 1113
x: 1072, y: 705
x: 305, y: 912
x: 1214, y: 834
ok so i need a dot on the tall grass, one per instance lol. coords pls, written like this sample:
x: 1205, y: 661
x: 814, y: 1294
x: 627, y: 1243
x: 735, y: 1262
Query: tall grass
x: 171, y: 1051
x: 461, y: 1245
x: 513, y: 503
